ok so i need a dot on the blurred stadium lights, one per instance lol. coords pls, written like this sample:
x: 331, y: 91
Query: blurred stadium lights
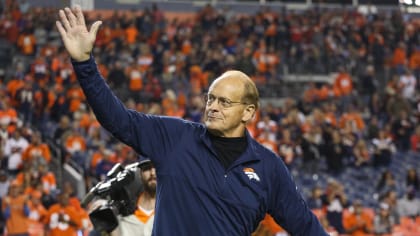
x: 410, y: 2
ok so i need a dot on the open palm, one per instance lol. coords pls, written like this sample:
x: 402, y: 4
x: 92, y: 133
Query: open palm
x: 77, y: 39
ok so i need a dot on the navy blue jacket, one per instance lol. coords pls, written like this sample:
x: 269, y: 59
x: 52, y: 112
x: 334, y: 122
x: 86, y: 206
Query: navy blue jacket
x: 195, y: 194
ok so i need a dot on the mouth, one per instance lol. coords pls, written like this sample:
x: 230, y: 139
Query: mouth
x: 213, y: 117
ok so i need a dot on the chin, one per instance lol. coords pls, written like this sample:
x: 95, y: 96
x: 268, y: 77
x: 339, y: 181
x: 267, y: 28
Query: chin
x: 209, y: 124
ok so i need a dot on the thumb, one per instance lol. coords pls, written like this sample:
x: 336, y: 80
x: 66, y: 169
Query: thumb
x: 95, y: 27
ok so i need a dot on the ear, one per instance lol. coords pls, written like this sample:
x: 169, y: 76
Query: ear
x: 248, y: 113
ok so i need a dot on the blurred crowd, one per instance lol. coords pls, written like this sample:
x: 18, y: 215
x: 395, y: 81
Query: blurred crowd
x: 161, y: 65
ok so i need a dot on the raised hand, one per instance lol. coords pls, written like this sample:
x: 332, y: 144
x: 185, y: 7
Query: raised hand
x: 77, y: 39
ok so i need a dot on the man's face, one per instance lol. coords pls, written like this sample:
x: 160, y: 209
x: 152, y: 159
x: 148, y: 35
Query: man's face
x: 148, y: 177
x: 222, y: 120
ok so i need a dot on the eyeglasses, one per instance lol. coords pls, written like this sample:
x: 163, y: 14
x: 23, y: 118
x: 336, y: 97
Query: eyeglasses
x: 222, y: 101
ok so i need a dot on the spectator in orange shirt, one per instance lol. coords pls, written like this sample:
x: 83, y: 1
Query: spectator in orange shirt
x: 358, y: 222
x: 8, y: 114
x: 27, y: 43
x: 131, y: 34
x: 37, y: 213
x: 48, y: 180
x: 97, y: 156
x: 399, y: 58
x: 135, y: 74
x: 75, y: 202
x: 16, y: 211
x: 75, y: 97
x: 62, y: 218
x: 353, y: 117
x: 343, y: 83
x: 14, y: 85
x: 75, y: 145
x: 37, y: 151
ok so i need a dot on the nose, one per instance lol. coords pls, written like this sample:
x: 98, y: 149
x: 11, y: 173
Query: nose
x: 214, y: 105
x: 153, y: 171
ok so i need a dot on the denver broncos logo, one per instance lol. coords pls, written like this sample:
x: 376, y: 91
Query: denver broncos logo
x: 251, y: 173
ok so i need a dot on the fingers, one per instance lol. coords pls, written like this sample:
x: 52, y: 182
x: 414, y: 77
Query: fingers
x: 70, y: 16
x: 95, y: 27
x: 80, y: 19
x: 60, y: 28
x: 64, y: 21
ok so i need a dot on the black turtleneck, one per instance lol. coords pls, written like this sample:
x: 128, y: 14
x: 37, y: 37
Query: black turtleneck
x: 228, y: 149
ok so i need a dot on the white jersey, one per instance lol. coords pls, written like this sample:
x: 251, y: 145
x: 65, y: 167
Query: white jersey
x: 132, y: 225
x: 15, y: 157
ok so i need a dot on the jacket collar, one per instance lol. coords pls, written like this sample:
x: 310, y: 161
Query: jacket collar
x: 251, y: 153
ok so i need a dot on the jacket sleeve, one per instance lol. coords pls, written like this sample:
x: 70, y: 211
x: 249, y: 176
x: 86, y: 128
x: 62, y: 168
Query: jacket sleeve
x: 149, y: 135
x: 287, y: 206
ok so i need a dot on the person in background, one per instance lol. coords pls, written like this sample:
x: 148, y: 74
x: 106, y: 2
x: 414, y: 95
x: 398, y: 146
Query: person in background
x: 409, y: 205
x: 214, y: 178
x: 62, y: 218
x: 383, y: 221
x: 358, y: 222
x: 141, y: 221
x: 412, y: 180
x: 16, y: 211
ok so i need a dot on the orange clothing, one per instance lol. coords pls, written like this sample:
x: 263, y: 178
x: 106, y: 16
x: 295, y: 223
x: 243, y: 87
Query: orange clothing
x: 75, y: 97
x: 325, y: 92
x: 330, y: 118
x: 134, y: 73
x: 96, y: 158
x: 56, y: 63
x: 65, y: 73
x: 269, y: 223
x: 62, y: 220
x: 83, y: 215
x: 36, y: 217
x: 17, y: 223
x: 26, y: 43
x: 103, y: 70
x: 415, y: 60
x: 361, y: 222
x: 22, y: 179
x: 32, y: 151
x: 142, y: 216
x: 186, y: 47
x: 49, y: 182
x: 343, y: 83
x: 13, y: 86
x: 131, y: 34
x: 399, y: 57
x: 75, y: 143
x: 198, y: 79
x: 50, y: 97
x: 9, y: 115
x: 356, y: 118
x: 174, y: 112
x: 311, y: 95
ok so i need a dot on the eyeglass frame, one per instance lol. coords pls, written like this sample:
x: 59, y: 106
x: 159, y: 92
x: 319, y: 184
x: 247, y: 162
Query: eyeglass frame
x: 222, y: 101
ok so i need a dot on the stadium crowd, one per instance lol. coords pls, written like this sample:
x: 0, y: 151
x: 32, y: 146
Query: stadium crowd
x: 160, y: 65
